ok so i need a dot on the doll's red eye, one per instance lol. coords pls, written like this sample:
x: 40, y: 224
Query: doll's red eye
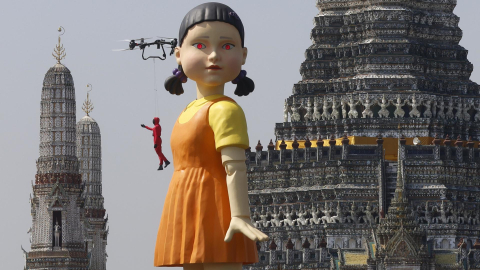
x: 199, y: 46
x: 228, y: 46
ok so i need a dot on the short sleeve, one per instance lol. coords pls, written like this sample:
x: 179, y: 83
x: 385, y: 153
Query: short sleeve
x: 229, y: 125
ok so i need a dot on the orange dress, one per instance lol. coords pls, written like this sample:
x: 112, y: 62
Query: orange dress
x: 196, y: 213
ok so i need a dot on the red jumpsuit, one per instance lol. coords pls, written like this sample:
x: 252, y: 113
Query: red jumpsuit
x: 157, y: 132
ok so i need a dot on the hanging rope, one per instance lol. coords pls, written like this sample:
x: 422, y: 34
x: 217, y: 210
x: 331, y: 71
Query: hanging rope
x: 155, y: 88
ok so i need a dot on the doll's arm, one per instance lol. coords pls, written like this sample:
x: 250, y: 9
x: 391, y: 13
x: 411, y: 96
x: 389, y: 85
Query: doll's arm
x: 233, y: 158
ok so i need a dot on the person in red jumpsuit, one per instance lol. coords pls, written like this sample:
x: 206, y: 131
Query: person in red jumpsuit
x: 157, y: 140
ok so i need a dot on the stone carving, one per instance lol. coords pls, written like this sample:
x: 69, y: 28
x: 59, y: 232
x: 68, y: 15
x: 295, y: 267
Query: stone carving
x: 309, y: 114
x: 414, y: 112
x: 316, y: 111
x: 399, y: 112
x: 286, y: 109
x: 384, y: 113
x: 335, y: 113
x: 428, y: 111
x: 368, y: 104
x: 353, y: 108
x: 326, y: 114
x: 295, y: 117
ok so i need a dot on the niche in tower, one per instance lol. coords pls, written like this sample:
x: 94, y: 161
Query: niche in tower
x: 57, y: 231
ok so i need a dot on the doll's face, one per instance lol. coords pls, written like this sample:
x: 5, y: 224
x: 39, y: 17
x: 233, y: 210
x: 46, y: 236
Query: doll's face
x: 211, y: 53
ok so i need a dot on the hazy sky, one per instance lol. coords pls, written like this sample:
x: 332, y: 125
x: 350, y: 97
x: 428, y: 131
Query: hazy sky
x: 276, y: 34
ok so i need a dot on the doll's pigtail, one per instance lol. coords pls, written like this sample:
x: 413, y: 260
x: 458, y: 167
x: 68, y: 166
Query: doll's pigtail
x: 173, y: 84
x: 244, y: 84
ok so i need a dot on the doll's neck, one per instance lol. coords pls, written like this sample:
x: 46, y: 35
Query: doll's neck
x: 206, y: 90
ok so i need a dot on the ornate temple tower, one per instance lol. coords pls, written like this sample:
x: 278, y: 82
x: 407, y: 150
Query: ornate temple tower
x: 89, y: 153
x: 358, y: 178
x: 57, y: 240
x: 376, y: 64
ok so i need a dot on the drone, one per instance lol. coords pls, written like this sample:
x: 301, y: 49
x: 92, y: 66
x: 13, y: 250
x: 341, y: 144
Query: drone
x: 140, y: 44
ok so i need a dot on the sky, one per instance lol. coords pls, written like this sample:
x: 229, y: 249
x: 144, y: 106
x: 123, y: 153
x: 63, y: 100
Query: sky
x: 276, y: 34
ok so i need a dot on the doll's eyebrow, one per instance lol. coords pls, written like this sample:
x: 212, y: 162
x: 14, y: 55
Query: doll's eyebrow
x: 225, y: 38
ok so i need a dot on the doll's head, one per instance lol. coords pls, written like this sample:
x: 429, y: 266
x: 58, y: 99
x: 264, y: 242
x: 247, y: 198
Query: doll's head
x: 228, y: 39
x: 156, y: 120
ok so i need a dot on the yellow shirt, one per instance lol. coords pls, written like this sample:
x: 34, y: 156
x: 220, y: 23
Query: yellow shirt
x: 226, y: 119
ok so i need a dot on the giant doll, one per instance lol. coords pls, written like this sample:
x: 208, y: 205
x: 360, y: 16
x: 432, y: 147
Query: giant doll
x: 205, y: 222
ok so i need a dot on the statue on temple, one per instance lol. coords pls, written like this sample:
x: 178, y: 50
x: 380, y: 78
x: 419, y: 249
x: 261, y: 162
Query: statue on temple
x: 369, y: 214
x: 58, y: 230
x: 286, y: 109
x: 449, y: 114
x: 459, y: 111
x: 309, y: 114
x: 353, y: 108
x: 414, y: 112
x: 263, y: 222
x: 441, y: 110
x: 327, y: 218
x: 453, y: 217
x: 367, y: 104
x: 354, y: 214
x: 477, y: 115
x: 335, y: 113
x: 384, y: 113
x: 276, y: 221
x: 316, y: 111
x: 466, y: 114
x: 302, y: 216
x: 295, y: 117
x: 326, y: 113
x: 289, y: 221
x: 428, y: 111
x: 316, y: 218
x: 443, y: 213
x: 399, y: 112
x: 339, y: 218
x: 344, y: 108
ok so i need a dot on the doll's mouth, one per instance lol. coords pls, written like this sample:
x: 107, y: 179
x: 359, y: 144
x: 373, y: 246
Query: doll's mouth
x: 215, y: 67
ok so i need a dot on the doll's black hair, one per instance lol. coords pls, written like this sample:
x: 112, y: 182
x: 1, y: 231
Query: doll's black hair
x: 209, y: 12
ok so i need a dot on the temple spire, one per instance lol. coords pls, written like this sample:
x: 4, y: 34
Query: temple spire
x: 88, y: 105
x: 59, y: 52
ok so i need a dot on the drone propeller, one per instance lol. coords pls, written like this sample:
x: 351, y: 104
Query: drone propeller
x: 165, y: 37
x: 138, y: 39
x: 121, y: 50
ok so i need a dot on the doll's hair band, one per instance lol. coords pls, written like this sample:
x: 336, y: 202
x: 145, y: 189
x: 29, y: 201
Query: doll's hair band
x: 179, y: 74
x: 243, y: 74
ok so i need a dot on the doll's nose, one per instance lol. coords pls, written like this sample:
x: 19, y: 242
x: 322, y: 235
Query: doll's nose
x: 213, y: 56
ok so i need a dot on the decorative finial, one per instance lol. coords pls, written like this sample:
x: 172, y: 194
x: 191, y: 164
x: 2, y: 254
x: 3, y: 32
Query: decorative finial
x: 88, y: 105
x: 59, y: 51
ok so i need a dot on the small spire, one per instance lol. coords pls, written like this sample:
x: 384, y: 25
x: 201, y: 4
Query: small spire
x: 319, y: 141
x: 283, y: 145
x: 59, y: 52
x: 332, y: 140
x: 459, y: 142
x: 272, y: 245
x: 306, y: 244
x: 308, y: 143
x: 379, y: 139
x: 447, y: 140
x: 289, y: 244
x: 88, y: 105
x: 271, y: 146
x: 295, y: 144
x: 470, y: 143
x: 345, y: 140
x: 259, y: 146
x: 436, y: 140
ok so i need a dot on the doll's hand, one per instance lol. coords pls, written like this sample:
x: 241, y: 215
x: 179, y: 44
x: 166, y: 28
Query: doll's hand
x: 142, y: 125
x: 154, y: 146
x: 244, y: 225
